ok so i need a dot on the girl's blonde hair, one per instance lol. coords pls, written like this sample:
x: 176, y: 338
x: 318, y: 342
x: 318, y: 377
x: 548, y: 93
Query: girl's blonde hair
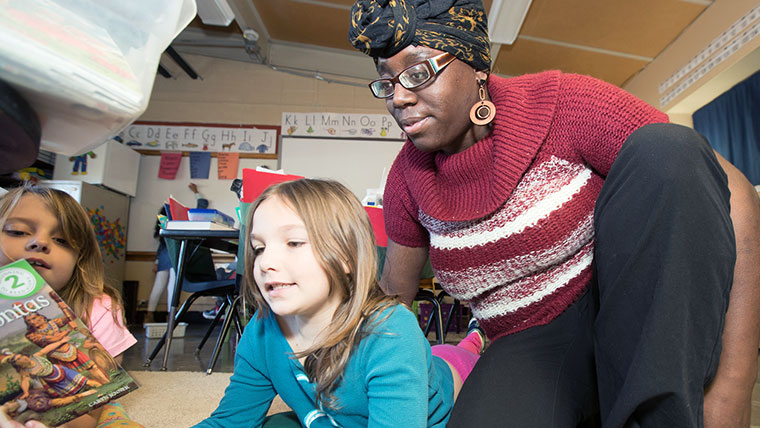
x: 342, y: 240
x: 87, y: 282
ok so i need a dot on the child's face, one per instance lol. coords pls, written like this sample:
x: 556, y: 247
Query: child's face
x: 32, y: 232
x: 286, y: 271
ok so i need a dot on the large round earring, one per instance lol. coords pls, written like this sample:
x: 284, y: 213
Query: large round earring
x: 483, y: 112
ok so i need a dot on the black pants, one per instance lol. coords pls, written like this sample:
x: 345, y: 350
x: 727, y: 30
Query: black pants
x: 639, y: 348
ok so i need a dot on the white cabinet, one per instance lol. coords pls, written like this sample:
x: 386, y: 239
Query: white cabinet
x: 113, y: 165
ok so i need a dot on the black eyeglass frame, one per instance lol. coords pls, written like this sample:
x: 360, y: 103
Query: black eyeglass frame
x: 434, y: 66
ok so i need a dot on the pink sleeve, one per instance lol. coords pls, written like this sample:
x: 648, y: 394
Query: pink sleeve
x: 112, y: 335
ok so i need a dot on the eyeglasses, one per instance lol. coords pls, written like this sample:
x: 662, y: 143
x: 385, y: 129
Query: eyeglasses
x: 411, y: 77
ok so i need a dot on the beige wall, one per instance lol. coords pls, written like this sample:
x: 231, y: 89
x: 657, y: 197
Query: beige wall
x: 142, y: 272
x: 238, y: 92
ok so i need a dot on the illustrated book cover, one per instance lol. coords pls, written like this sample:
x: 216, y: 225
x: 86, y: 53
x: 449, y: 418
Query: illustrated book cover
x: 51, y: 367
x: 196, y: 225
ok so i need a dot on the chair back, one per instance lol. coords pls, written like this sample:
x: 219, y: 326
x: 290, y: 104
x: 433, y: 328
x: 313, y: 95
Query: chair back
x: 242, y: 240
x: 199, y: 267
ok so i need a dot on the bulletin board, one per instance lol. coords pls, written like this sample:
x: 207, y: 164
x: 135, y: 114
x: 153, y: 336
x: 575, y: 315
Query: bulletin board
x: 357, y: 163
x: 250, y: 141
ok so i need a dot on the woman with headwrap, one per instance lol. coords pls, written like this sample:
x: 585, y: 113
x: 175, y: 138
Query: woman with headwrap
x: 592, y: 240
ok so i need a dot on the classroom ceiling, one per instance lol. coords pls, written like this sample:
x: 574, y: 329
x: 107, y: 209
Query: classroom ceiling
x: 609, y: 39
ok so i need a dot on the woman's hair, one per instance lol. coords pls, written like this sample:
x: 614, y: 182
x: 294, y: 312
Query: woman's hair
x: 342, y: 240
x: 87, y: 282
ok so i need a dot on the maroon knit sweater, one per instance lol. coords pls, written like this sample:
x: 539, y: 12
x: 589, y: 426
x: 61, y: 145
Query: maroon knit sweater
x: 509, y: 221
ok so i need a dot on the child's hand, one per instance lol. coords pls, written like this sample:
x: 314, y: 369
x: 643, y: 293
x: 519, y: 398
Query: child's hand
x: 6, y: 422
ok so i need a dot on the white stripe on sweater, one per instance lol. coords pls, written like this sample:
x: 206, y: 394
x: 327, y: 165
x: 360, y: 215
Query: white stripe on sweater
x: 474, y: 281
x: 500, y: 304
x: 480, y: 234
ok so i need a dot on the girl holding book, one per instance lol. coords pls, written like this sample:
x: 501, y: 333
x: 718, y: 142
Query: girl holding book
x: 336, y: 349
x: 52, y: 232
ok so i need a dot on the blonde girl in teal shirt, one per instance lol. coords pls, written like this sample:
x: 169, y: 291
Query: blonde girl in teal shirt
x: 326, y: 339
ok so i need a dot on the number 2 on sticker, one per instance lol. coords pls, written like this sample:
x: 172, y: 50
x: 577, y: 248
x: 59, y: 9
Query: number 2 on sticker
x: 15, y: 284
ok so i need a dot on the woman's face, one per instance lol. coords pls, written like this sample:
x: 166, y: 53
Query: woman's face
x: 436, y: 115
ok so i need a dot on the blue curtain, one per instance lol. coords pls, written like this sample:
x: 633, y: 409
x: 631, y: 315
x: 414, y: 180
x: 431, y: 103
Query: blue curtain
x: 731, y: 123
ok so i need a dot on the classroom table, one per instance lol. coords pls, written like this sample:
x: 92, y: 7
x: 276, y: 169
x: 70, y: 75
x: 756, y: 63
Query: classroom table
x: 222, y: 240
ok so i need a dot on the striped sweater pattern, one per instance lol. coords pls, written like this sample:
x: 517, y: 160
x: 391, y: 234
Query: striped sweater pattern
x: 509, y: 221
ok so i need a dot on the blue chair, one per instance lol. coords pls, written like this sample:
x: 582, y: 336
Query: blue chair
x: 200, y: 280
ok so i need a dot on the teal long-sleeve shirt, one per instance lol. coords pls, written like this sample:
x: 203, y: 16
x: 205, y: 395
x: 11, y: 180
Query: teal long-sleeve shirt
x: 391, y: 380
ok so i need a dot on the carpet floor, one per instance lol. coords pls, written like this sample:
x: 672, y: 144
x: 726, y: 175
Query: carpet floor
x: 178, y: 399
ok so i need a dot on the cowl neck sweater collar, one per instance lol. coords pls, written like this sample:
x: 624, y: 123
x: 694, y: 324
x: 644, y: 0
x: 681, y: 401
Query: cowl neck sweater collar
x: 473, y: 183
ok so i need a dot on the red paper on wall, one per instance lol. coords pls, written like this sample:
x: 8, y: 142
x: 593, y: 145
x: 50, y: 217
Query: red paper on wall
x: 167, y: 168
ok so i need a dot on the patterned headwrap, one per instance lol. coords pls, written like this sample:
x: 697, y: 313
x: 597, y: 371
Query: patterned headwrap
x: 382, y: 28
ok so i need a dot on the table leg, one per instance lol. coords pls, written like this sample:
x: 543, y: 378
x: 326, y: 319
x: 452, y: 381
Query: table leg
x: 170, y: 322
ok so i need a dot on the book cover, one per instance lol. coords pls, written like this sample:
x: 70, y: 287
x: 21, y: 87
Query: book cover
x: 51, y: 367
x: 196, y: 225
x: 378, y: 225
x: 177, y: 211
x: 256, y: 181
x: 168, y: 210
x: 209, y: 214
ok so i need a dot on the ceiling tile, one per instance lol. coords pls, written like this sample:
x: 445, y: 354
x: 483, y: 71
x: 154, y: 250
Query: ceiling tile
x: 526, y: 56
x: 642, y: 27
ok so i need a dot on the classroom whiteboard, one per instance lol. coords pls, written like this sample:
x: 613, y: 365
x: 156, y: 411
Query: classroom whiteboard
x: 358, y: 164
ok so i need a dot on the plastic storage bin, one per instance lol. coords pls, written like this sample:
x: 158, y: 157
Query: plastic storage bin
x: 86, y: 67
x: 154, y: 330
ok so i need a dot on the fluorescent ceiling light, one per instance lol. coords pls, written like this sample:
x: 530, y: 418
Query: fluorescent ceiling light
x: 505, y: 19
x: 215, y: 12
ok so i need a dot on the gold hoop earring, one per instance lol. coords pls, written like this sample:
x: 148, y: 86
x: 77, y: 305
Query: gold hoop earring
x: 483, y: 112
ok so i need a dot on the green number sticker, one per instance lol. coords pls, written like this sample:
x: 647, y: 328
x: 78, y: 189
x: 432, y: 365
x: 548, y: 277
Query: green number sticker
x: 17, y: 282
